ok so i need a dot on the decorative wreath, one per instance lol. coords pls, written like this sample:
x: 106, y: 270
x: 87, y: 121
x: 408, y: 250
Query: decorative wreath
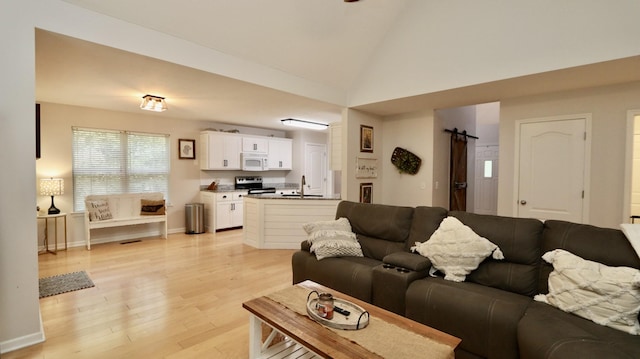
x: 405, y: 161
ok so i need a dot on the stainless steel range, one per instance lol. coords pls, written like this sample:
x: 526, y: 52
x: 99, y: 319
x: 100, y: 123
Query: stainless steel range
x: 253, y: 184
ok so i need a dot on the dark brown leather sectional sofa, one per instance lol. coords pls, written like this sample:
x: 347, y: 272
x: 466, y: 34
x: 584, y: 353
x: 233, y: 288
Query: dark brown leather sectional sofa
x: 493, y: 310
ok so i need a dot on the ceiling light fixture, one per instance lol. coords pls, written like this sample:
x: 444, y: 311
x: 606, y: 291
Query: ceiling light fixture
x: 153, y: 103
x: 304, y: 124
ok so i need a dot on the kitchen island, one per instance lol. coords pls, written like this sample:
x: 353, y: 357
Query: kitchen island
x: 273, y: 221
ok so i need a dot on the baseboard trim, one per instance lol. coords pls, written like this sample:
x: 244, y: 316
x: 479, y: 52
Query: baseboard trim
x: 119, y: 238
x: 23, y: 341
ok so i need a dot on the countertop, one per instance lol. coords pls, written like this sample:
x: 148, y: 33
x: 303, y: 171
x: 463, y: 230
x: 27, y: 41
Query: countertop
x: 231, y: 188
x: 296, y: 197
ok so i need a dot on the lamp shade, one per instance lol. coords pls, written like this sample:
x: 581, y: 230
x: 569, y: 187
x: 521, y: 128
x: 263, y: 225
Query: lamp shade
x: 51, y: 186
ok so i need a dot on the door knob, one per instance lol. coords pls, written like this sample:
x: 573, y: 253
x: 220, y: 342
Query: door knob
x: 523, y: 202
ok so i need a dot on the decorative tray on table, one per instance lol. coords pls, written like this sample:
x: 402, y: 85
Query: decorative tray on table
x: 346, y: 315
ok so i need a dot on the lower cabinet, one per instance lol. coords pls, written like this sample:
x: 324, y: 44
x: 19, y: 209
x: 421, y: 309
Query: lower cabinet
x: 223, y: 209
x: 228, y: 214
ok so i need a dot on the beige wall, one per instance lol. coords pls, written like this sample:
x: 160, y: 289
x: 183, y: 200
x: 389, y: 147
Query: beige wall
x: 608, y: 107
x: 185, y: 178
x: 351, y: 121
x: 57, y: 121
x: 413, y: 132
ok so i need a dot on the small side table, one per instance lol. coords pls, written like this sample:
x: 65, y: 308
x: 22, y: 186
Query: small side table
x: 55, y: 218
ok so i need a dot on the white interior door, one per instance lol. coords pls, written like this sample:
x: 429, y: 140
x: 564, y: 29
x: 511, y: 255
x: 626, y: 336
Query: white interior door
x: 552, y: 167
x: 485, y: 191
x: 315, y: 165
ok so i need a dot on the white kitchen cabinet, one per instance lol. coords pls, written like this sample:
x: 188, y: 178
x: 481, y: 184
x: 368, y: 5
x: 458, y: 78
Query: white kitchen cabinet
x: 209, y: 201
x: 280, y: 153
x: 229, y: 210
x: 254, y: 144
x: 220, y: 151
x: 223, y: 209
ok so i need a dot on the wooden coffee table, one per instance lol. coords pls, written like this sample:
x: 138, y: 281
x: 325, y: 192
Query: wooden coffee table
x: 305, y: 338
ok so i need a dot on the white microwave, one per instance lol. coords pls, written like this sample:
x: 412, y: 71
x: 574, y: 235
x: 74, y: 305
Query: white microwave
x: 254, y: 162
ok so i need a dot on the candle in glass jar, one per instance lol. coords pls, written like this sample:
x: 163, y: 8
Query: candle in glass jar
x: 325, y: 305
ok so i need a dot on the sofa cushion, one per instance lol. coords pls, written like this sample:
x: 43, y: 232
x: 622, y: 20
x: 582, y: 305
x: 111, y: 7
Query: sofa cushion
x: 332, y: 239
x: 349, y: 275
x: 484, y: 318
x: 378, y: 248
x: 548, y: 333
x: 603, y: 245
x: 519, y: 239
x: 390, y: 223
x: 425, y: 221
x: 606, y: 295
x: 455, y: 250
x: 98, y: 210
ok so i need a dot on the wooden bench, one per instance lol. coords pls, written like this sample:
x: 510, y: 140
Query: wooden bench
x: 125, y: 211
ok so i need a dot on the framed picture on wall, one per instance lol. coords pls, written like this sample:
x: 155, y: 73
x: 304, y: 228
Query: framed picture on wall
x: 186, y: 149
x: 366, y: 167
x: 366, y: 192
x: 366, y: 138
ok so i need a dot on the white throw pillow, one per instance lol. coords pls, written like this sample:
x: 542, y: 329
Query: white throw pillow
x: 332, y: 239
x: 98, y: 210
x: 456, y: 250
x: 340, y: 224
x: 606, y: 295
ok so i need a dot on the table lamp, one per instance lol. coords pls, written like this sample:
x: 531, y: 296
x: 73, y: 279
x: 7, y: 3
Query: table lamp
x: 52, y: 187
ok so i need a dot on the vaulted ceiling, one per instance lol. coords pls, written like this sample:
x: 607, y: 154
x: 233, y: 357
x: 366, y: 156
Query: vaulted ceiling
x: 324, y: 42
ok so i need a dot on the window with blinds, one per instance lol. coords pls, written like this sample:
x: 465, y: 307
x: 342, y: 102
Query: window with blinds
x: 112, y: 162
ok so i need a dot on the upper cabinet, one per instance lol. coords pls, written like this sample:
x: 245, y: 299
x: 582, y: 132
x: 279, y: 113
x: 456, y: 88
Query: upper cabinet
x: 254, y: 145
x: 220, y: 151
x: 280, y: 153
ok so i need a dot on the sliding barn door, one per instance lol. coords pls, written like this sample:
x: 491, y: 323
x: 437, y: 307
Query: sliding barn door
x: 458, y: 173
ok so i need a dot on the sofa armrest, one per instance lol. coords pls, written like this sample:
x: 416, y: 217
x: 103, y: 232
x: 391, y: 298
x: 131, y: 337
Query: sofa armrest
x: 305, y: 246
x: 412, y: 261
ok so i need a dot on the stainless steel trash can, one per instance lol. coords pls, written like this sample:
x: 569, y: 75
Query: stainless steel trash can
x: 194, y: 218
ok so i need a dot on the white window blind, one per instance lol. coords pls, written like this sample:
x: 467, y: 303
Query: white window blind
x: 111, y: 162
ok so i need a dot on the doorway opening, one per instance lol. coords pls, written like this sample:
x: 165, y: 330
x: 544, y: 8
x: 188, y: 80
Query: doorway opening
x: 482, y: 121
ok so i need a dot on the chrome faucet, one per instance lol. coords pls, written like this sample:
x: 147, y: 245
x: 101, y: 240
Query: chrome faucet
x: 303, y: 182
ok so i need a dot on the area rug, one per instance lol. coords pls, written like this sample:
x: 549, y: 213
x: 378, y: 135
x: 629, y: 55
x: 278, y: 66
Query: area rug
x: 64, y: 283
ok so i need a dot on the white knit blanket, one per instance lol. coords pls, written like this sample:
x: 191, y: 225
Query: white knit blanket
x: 632, y: 231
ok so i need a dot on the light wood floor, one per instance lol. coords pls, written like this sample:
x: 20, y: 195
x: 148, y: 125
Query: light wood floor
x: 175, y: 298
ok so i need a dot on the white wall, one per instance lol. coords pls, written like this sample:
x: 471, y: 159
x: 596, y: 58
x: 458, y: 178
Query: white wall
x: 20, y: 323
x: 608, y: 106
x: 440, y: 45
x: 487, y: 124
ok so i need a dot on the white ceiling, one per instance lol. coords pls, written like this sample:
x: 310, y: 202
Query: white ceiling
x: 325, y: 41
